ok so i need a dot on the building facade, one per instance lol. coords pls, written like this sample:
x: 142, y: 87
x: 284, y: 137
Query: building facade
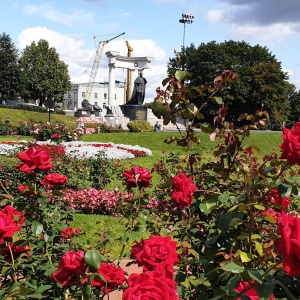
x: 99, y: 96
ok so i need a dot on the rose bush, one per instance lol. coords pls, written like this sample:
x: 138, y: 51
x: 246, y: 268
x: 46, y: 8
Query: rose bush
x: 222, y: 226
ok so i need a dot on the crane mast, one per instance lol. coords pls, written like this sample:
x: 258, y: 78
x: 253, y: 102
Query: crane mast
x: 95, y: 66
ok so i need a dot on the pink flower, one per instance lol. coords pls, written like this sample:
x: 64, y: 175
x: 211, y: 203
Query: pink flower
x: 183, y: 189
x: 55, y: 136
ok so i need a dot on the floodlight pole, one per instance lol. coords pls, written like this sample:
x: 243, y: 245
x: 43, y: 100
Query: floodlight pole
x: 185, y: 19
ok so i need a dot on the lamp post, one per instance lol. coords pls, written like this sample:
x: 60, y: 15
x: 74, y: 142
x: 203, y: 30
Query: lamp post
x: 185, y: 19
x: 50, y: 102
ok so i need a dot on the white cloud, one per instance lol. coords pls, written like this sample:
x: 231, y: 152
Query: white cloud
x: 48, y: 12
x: 71, y: 51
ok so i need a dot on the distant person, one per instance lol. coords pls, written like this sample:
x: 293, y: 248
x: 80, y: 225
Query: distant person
x: 7, y: 121
x: 156, y: 127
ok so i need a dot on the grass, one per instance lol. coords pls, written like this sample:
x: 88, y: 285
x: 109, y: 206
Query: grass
x: 94, y: 226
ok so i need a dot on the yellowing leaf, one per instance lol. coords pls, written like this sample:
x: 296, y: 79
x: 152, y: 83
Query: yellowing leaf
x: 245, y: 257
x: 259, y: 248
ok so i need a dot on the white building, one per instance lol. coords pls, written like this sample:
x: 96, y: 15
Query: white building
x: 99, y: 96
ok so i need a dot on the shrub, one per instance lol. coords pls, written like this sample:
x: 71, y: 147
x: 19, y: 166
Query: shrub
x: 139, y: 126
x: 160, y: 109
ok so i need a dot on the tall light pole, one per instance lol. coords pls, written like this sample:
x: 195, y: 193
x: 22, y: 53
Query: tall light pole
x: 185, y: 19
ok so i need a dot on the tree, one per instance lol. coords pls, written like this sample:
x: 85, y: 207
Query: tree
x: 261, y: 79
x: 44, y: 73
x: 10, y: 82
x: 294, y: 106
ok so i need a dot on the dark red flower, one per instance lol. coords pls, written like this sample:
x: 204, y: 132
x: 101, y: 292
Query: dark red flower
x: 137, y: 177
x: 34, y: 160
x: 183, y: 189
x: 16, y: 251
x: 24, y: 190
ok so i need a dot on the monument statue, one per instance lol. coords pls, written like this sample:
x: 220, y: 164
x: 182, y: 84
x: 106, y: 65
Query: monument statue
x: 86, y: 105
x: 138, y: 93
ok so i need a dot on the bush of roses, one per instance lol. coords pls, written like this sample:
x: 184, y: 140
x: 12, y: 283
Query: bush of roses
x: 222, y: 226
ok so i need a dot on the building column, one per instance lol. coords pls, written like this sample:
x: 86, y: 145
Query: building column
x: 111, y: 84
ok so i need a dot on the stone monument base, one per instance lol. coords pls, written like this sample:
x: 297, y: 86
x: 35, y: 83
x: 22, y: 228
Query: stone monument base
x: 134, y: 111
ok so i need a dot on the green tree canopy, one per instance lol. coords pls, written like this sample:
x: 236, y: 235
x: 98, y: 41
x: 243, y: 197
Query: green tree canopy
x: 261, y: 79
x: 44, y: 73
x: 10, y: 83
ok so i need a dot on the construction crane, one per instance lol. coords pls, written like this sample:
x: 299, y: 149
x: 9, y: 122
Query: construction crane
x: 95, y: 66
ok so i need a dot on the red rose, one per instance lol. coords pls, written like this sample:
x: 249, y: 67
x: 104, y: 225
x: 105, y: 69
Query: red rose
x: 137, y: 177
x: 113, y: 275
x: 155, y: 252
x: 274, y: 197
x: 10, y: 221
x: 183, y: 189
x: 24, y: 189
x: 67, y: 232
x: 251, y: 293
x: 16, y: 250
x: 288, y: 245
x: 54, y: 179
x: 150, y: 285
x: 34, y: 160
x: 138, y: 247
x: 290, y: 147
x: 55, y: 136
x: 71, y: 264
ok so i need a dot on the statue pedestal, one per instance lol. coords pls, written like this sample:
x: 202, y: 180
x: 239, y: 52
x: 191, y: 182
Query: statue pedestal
x: 134, y: 112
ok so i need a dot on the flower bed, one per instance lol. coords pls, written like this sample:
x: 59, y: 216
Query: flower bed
x: 83, y: 150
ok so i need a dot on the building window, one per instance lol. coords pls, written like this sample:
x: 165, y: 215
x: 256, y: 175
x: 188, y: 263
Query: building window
x: 96, y: 95
x: 105, y: 95
x: 115, y: 97
x: 83, y: 94
x: 104, y: 105
x: 96, y: 103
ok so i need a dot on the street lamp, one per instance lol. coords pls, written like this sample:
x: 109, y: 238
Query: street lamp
x: 186, y: 19
x: 50, y: 102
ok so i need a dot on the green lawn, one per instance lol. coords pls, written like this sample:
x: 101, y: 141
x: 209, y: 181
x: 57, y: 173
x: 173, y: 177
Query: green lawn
x: 93, y: 226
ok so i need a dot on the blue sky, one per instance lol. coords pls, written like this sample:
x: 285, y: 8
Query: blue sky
x: 153, y: 29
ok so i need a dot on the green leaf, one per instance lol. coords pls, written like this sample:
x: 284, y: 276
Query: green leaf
x: 207, y: 206
x: 206, y: 128
x: 255, y: 275
x: 270, y: 219
x: 233, y: 268
x: 265, y: 290
x: 93, y: 259
x: 37, y: 228
x: 260, y: 207
x: 259, y: 248
x: 86, y: 292
x: 219, y: 100
x: 284, y: 190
